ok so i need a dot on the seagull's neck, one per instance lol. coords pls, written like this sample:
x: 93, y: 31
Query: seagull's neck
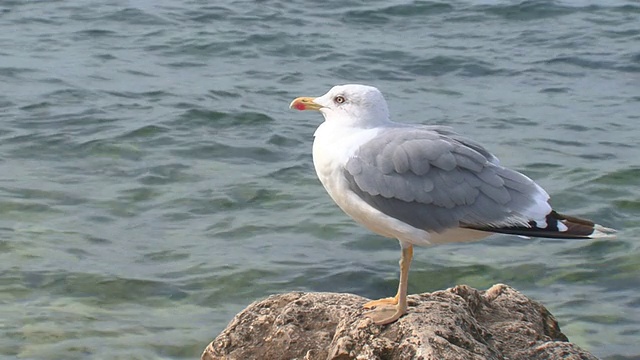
x: 357, y: 119
x: 336, y: 130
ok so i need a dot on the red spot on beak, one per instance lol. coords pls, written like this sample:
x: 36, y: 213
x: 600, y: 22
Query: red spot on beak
x: 299, y: 106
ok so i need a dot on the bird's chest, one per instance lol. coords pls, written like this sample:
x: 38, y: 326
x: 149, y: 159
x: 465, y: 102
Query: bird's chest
x: 329, y: 163
x: 333, y: 147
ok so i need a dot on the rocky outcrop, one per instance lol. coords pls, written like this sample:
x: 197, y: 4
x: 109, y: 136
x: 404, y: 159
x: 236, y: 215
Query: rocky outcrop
x: 457, y: 323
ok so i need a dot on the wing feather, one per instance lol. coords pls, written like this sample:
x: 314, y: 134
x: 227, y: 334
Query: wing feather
x: 418, y: 163
x: 434, y: 179
x: 400, y: 160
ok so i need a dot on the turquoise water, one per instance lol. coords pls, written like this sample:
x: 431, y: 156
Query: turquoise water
x: 153, y: 181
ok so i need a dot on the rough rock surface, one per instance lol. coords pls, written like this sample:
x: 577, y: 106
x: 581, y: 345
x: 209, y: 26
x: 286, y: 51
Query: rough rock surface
x: 457, y: 323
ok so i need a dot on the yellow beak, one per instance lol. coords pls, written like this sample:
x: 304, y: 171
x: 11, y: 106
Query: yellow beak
x: 304, y: 103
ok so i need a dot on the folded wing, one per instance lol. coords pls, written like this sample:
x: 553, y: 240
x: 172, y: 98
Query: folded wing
x: 434, y: 179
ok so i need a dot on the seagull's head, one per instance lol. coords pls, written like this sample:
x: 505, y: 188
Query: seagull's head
x: 350, y: 105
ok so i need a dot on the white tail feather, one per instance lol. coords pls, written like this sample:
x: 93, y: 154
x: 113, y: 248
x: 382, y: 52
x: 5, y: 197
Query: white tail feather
x: 601, y: 232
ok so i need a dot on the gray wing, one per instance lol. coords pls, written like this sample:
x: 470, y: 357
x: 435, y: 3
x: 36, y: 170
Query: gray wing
x: 448, y: 132
x: 434, y: 179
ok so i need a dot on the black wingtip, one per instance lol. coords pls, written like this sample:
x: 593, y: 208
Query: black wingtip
x: 558, y: 226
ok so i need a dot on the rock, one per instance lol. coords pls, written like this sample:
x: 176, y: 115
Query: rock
x: 457, y: 323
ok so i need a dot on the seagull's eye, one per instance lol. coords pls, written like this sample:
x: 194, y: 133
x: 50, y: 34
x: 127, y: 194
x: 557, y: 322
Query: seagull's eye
x: 339, y: 99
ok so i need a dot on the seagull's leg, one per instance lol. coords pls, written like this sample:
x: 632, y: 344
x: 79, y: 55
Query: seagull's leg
x: 384, y: 301
x: 396, y: 306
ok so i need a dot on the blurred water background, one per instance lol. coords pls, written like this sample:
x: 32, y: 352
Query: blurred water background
x: 153, y: 181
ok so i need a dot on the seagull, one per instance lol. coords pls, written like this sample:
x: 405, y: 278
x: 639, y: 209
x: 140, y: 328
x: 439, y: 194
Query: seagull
x: 422, y: 185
